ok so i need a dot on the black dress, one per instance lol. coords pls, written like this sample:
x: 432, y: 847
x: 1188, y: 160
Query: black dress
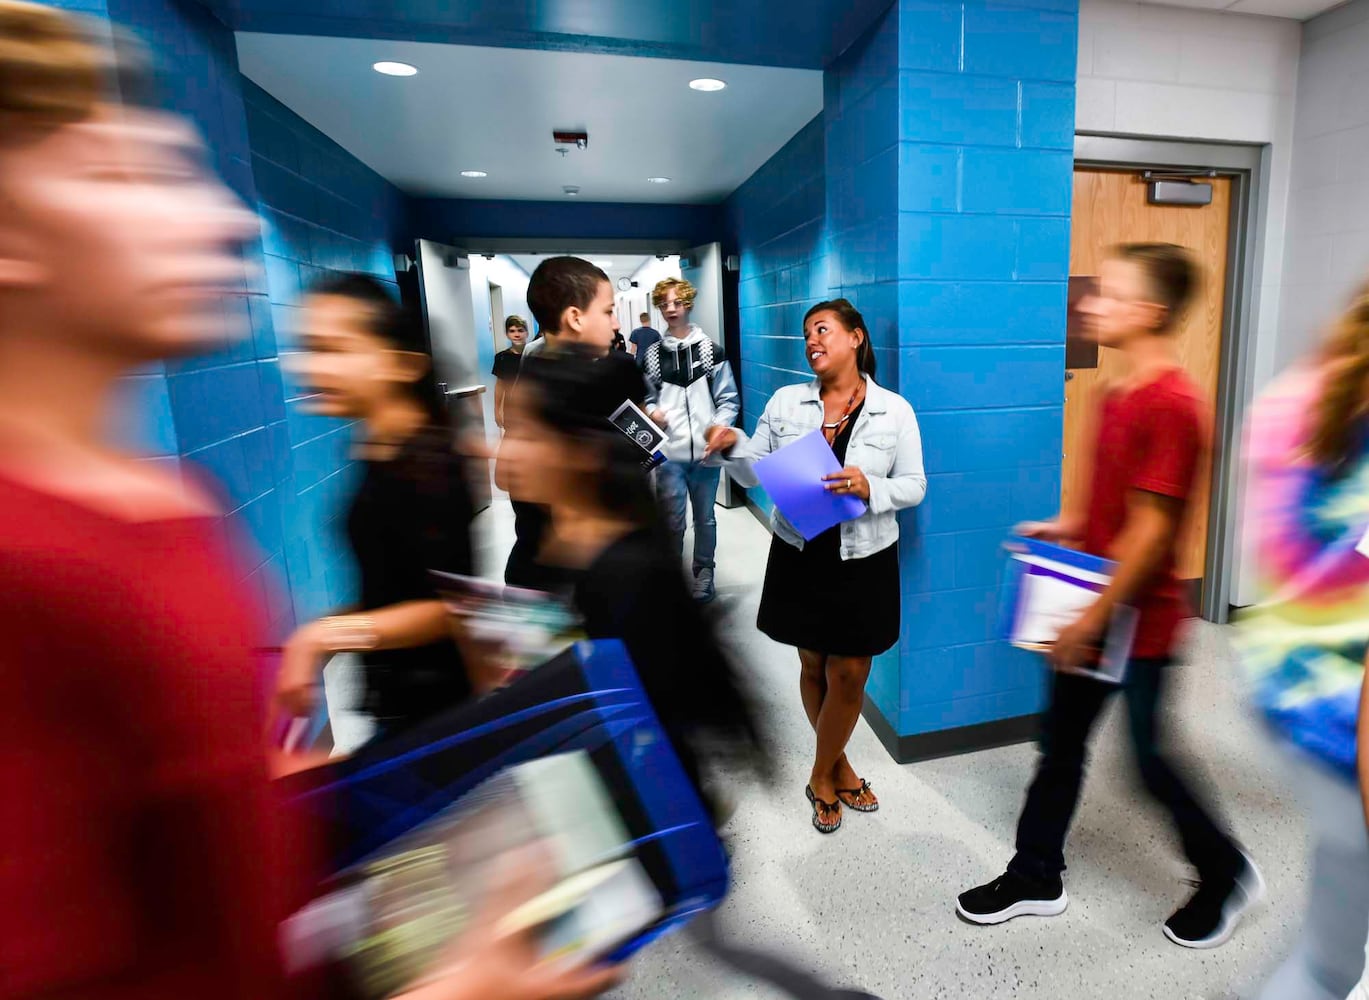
x: 813, y: 599
x: 411, y: 514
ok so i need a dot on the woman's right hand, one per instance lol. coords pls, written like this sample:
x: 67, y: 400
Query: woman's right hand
x: 720, y: 439
x: 1047, y: 531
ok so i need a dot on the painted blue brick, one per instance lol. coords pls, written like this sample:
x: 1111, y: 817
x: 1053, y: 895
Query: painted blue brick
x: 879, y: 305
x: 1047, y: 120
x: 282, y: 460
x: 956, y: 246
x: 977, y: 440
x: 867, y: 128
x: 957, y: 110
x: 274, y: 140
x: 282, y: 280
x: 285, y: 323
x: 926, y: 562
x: 883, y: 686
x: 263, y: 330
x: 285, y: 236
x: 1006, y: 40
x: 979, y: 558
x: 869, y: 253
x: 956, y: 673
x: 1043, y: 250
x: 1036, y: 493
x: 227, y: 463
x: 1018, y: 182
x: 210, y: 406
x: 930, y: 35
x: 974, y: 710
x: 262, y: 517
x: 982, y: 312
x: 947, y: 618
x: 285, y: 190
x: 929, y: 177
x: 868, y: 192
x: 959, y: 378
x: 967, y: 501
x: 144, y: 421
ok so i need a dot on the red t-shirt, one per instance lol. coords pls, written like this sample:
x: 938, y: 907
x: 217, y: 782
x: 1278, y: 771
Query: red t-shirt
x: 1151, y: 438
x: 141, y: 855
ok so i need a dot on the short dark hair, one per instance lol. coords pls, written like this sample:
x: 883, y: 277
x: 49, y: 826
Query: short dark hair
x: 851, y: 319
x: 645, y: 317
x: 1170, y: 270
x: 558, y: 284
x: 515, y: 320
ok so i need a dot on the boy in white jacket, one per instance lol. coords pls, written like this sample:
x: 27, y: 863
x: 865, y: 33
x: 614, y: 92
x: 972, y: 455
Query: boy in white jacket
x: 691, y: 393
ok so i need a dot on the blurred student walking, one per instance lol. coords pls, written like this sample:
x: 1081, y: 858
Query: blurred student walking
x: 1304, y: 643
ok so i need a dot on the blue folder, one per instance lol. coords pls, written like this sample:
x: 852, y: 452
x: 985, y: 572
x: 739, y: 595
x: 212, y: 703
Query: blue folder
x: 792, y: 476
x: 1016, y: 570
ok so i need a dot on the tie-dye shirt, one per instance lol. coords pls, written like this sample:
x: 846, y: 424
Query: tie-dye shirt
x: 1303, y: 644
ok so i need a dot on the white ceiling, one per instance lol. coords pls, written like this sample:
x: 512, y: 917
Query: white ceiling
x: 474, y: 108
x: 619, y: 265
x: 1298, y: 10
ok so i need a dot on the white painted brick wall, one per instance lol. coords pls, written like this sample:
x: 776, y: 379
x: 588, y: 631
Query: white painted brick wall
x: 1327, y: 253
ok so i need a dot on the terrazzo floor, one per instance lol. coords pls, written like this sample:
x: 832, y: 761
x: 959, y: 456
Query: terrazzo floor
x: 871, y: 908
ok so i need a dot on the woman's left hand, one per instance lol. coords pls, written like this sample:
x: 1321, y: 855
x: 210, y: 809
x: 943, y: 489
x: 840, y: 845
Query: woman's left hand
x: 850, y: 481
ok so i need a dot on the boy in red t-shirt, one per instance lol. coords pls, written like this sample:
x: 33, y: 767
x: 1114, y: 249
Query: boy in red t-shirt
x: 1152, y: 441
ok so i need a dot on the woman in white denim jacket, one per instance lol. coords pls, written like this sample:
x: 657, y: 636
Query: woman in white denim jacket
x: 836, y: 597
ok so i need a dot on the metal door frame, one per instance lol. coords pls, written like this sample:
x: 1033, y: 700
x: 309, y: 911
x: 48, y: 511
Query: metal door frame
x: 1248, y: 167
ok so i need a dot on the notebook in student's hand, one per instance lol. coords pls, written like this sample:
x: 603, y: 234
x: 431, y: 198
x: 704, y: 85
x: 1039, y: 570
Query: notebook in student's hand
x: 644, y: 432
x: 1047, y: 587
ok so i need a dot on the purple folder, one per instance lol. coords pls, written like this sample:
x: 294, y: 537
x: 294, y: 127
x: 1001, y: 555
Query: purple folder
x: 793, y: 478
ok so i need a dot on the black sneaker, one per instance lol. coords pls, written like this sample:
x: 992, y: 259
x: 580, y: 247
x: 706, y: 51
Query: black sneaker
x: 1010, y: 895
x: 1210, y: 917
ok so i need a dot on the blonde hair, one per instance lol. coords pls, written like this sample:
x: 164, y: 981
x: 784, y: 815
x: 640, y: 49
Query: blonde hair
x: 684, y: 291
x: 52, y: 71
x: 1344, y: 399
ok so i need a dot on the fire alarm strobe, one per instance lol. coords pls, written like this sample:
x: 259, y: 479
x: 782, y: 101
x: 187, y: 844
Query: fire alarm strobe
x: 580, y: 140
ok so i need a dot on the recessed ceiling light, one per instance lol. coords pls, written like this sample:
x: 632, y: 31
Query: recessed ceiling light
x: 394, y: 68
x: 474, y: 173
x: 658, y: 180
x: 571, y: 190
x: 707, y: 84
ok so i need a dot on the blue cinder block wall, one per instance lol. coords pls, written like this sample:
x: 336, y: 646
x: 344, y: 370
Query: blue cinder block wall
x: 941, y: 210
x: 323, y: 211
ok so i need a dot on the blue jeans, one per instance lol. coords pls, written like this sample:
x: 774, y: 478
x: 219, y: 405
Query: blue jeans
x: 690, y: 484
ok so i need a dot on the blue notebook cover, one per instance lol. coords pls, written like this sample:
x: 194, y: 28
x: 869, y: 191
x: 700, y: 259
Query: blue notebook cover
x: 1016, y: 569
x: 793, y: 478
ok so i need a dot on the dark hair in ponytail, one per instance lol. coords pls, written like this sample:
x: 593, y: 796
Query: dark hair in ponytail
x: 850, y: 317
x: 400, y: 327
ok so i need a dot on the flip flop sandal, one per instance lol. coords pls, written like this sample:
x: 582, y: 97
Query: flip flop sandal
x: 848, y: 797
x: 819, y: 809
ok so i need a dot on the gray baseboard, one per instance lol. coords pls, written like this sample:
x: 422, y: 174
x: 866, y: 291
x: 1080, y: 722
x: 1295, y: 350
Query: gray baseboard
x: 948, y: 742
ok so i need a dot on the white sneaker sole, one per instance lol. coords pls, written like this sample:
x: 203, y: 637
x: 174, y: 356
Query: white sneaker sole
x: 1251, y: 888
x: 1026, y: 908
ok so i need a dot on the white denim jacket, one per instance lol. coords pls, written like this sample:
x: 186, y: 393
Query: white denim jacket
x: 885, y: 445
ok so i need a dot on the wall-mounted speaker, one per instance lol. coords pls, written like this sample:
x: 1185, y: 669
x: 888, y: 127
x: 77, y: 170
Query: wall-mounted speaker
x: 403, y: 263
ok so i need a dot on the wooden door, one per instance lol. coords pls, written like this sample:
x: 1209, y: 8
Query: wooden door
x: 1110, y: 207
